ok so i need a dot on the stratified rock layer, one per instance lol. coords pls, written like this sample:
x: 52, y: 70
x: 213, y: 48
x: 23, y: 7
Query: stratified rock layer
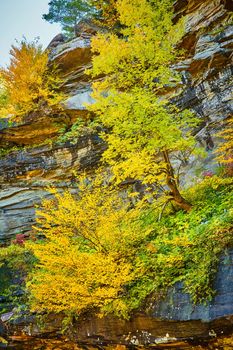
x: 205, y: 87
x: 25, y: 175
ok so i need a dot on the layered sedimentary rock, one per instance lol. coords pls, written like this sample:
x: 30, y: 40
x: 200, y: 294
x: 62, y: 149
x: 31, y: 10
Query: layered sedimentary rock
x: 25, y: 174
x: 35, y: 159
x: 205, y: 87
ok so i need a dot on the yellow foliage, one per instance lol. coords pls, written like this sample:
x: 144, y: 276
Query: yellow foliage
x: 108, y: 11
x: 85, y: 258
x: 29, y: 82
x: 145, y: 49
x: 225, y: 150
x: 144, y: 132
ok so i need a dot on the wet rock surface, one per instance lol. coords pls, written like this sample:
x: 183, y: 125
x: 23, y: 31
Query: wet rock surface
x: 143, y: 333
x: 147, y: 331
x: 178, y: 306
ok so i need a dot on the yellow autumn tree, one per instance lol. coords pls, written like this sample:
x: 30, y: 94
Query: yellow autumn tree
x: 3, y: 94
x: 225, y: 150
x: 85, y: 248
x: 29, y: 82
x: 145, y: 134
x: 107, y: 14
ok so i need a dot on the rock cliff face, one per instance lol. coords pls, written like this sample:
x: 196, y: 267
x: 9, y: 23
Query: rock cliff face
x: 25, y: 174
x: 206, y: 83
x: 207, y: 68
x: 33, y: 163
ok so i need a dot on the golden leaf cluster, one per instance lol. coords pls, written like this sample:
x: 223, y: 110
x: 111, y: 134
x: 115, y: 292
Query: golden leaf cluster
x: 29, y: 83
x: 85, y: 256
x: 225, y: 150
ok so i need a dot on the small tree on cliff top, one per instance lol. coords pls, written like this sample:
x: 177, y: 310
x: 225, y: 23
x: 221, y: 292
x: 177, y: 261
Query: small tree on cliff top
x: 145, y: 131
x: 29, y: 83
x: 67, y: 13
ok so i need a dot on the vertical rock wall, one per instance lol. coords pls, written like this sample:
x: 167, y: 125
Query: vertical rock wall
x: 205, y: 87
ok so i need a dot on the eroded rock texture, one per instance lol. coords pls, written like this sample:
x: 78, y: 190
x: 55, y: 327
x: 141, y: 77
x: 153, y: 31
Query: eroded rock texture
x: 205, y: 87
x: 24, y: 176
x: 34, y: 163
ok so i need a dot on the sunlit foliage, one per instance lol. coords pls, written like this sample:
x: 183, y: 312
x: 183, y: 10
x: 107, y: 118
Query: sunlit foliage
x: 106, y: 12
x: 189, y: 245
x: 184, y: 247
x: 100, y: 250
x: 145, y: 131
x: 85, y: 249
x: 3, y: 94
x: 96, y: 252
x: 29, y: 83
x: 225, y: 150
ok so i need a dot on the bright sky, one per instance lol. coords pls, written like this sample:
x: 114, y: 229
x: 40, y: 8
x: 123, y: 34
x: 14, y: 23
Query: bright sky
x: 20, y: 18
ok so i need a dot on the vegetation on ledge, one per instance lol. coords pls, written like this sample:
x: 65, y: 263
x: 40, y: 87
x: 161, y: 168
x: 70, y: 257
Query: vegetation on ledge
x: 29, y: 84
x: 96, y: 251
x: 109, y: 248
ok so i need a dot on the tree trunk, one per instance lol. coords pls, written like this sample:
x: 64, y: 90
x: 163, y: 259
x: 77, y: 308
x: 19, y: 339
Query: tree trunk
x: 172, y: 184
